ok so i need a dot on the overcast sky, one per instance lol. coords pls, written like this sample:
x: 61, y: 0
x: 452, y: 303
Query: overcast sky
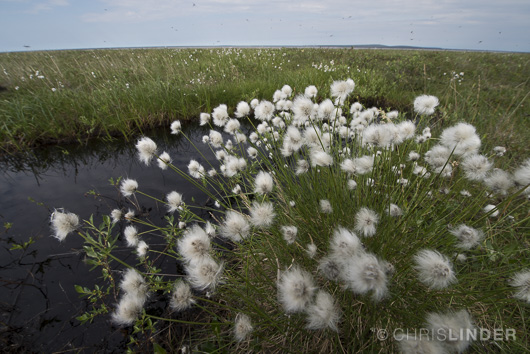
x: 454, y: 24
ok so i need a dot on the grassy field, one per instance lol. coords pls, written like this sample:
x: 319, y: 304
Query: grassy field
x: 49, y: 97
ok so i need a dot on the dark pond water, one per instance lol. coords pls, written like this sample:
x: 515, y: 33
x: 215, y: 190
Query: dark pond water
x: 38, y: 303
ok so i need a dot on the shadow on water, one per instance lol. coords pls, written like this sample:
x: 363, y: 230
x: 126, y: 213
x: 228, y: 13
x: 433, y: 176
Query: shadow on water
x: 38, y: 302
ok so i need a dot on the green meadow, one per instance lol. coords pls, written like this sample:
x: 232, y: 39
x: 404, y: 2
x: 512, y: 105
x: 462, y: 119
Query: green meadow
x: 60, y: 96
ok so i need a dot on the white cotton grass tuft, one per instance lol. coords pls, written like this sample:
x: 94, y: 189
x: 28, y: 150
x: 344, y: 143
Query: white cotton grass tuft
x: 116, y: 215
x: 366, y: 222
x: 425, y: 104
x: 134, y: 283
x: 196, y: 170
x: 131, y: 236
x: 128, y: 187
x: 235, y: 226
x: 340, y: 90
x: 128, y: 310
x: 434, y: 269
x: 164, y: 160
x: 311, y: 91
x: 323, y: 313
x: 476, y: 167
x: 194, y: 245
x: 452, y: 330
x: 311, y: 250
x: 344, y: 243
x: 461, y: 139
x: 365, y: 273
x: 141, y: 249
x: 468, y: 236
x: 417, y: 343
x: 302, y: 166
x: 146, y: 149
x: 220, y: 115
x: 295, y: 289
x: 215, y: 139
x: 521, y: 176
x: 264, y: 111
x: 491, y: 210
x: 289, y: 233
x: 262, y: 214
x: 394, y: 210
x: 174, y: 201
x: 352, y: 184
x: 263, y: 183
x: 176, y: 127
x: 499, y: 181
x: 521, y: 281
x: 232, y: 126
x: 325, y: 206
x: 331, y: 267
x: 242, y: 109
x: 242, y: 327
x: 63, y: 223
x: 321, y: 158
x: 204, y: 274
x: 204, y: 118
x: 181, y: 297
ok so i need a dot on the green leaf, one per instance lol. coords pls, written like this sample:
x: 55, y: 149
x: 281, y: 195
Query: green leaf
x: 157, y: 349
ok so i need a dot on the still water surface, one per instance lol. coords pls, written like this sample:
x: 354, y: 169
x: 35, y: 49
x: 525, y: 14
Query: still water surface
x: 38, y: 303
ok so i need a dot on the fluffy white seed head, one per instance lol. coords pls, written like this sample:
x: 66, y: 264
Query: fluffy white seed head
x: 323, y: 313
x: 220, y: 115
x: 321, y: 158
x: 195, y: 245
x: 425, y: 104
x: 344, y: 243
x: 450, y: 329
x: 521, y: 175
x: 394, y: 211
x: 204, y: 118
x: 232, y: 126
x: 264, y: 111
x: 235, y: 227
x: 134, y: 283
x: 434, y: 269
x: 461, y: 139
x: 366, y: 222
x: 364, y: 273
x: 131, y: 236
x: 242, y: 327
x: 176, y: 127
x: 521, y: 281
x: 302, y: 166
x: 310, y: 91
x: 325, y: 206
x: 352, y: 184
x: 468, y: 236
x: 295, y: 289
x: 181, y: 297
x: 263, y: 183
x: 204, y: 274
x: 163, y: 160
x: 128, y: 310
x: 476, y: 167
x: 63, y: 223
x: 142, y: 248
x: 174, y: 201
x: 499, y: 181
x: 262, y: 214
x: 146, y: 149
x: 492, y: 209
x: 128, y: 187
x: 242, y: 109
x: 116, y: 215
x: 289, y: 233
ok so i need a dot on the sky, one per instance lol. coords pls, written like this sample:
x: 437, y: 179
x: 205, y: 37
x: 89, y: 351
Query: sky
x: 495, y: 25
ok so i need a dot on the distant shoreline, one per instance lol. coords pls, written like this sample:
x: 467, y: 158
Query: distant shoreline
x: 360, y: 46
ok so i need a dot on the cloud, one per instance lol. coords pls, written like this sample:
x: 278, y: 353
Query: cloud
x: 43, y: 6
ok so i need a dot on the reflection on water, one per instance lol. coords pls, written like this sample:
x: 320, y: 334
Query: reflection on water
x: 38, y: 303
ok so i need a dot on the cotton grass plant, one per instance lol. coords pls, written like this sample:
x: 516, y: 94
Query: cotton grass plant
x: 330, y: 222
